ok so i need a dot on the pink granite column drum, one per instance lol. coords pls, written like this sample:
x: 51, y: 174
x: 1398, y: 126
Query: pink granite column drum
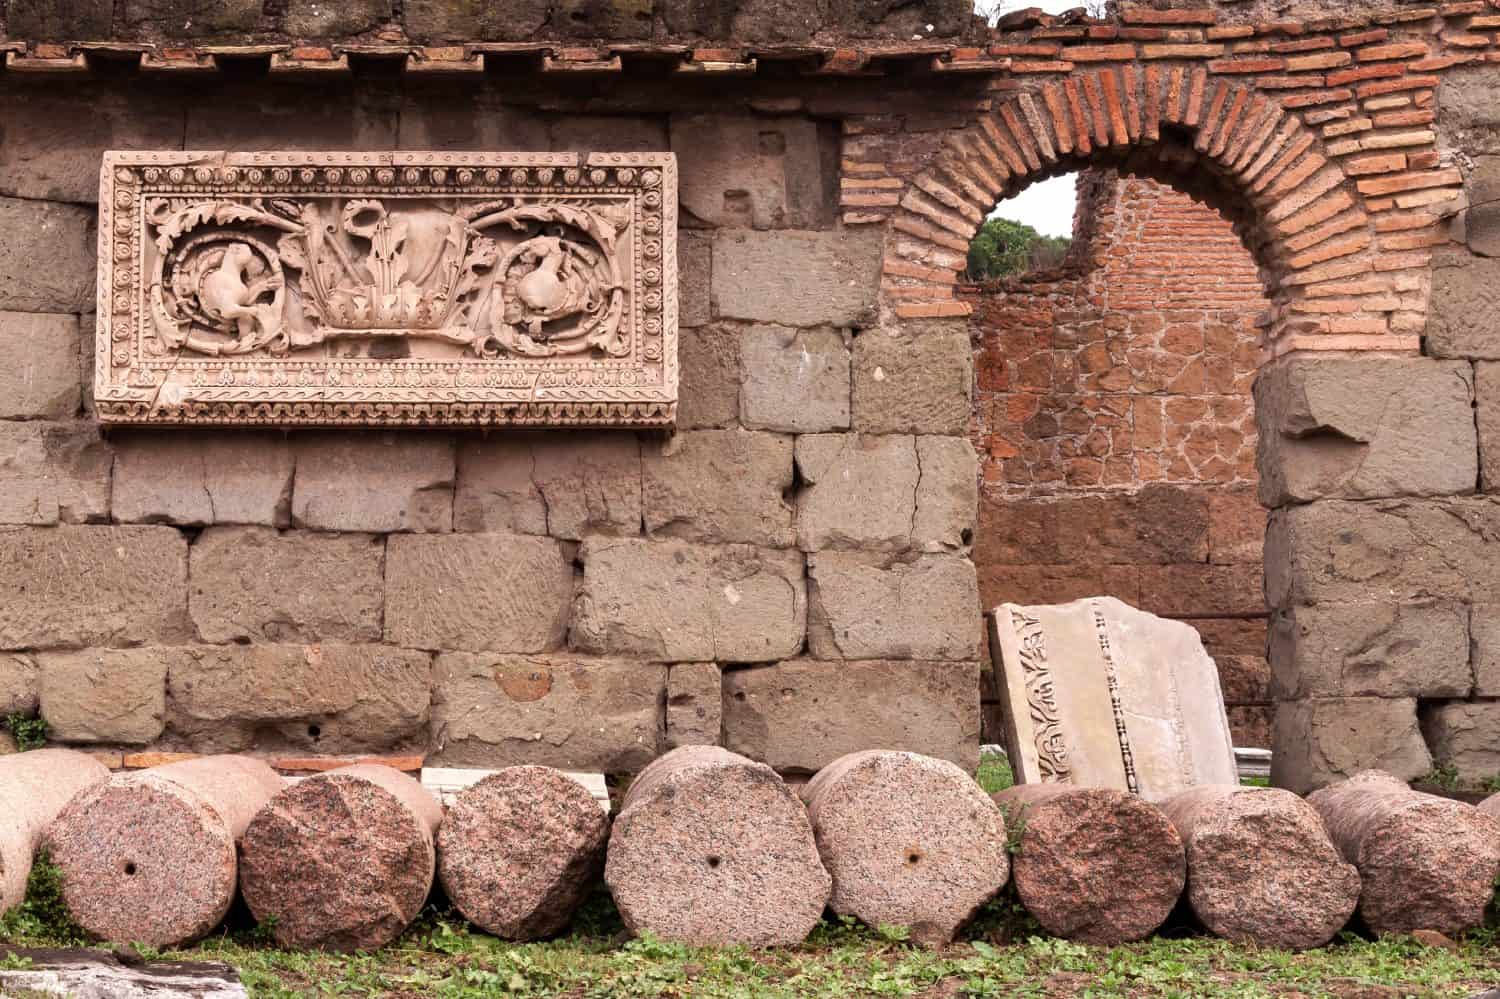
x: 911, y: 841
x: 149, y: 857
x: 1094, y: 864
x: 518, y: 851
x: 1261, y: 868
x: 712, y: 848
x: 1490, y: 806
x: 34, y: 788
x: 1427, y: 863
x: 343, y: 860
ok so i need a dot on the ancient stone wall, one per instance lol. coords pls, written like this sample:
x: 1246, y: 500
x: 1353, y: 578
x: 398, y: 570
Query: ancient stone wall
x: 1115, y: 428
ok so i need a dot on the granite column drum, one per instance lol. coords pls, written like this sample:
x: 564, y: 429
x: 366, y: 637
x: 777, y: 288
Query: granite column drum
x: 1094, y: 864
x: 911, y: 841
x: 149, y: 857
x: 1427, y: 863
x: 518, y: 851
x: 1490, y: 806
x: 34, y: 788
x: 1261, y: 868
x: 343, y: 860
x: 712, y: 848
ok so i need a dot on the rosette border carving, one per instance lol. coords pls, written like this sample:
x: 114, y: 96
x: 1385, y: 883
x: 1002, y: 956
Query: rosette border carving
x: 291, y: 288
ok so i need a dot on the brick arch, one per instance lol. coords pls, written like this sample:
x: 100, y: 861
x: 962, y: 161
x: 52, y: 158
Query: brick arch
x: 1297, y: 206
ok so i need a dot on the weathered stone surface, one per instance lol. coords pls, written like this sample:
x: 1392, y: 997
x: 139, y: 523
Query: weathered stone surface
x: 20, y: 684
x: 1484, y: 649
x: 694, y: 705
x: 36, y: 786
x: 1481, y: 220
x: 742, y: 171
x: 51, y: 143
x: 149, y: 857
x: 1261, y: 868
x: 52, y: 473
x: 78, y: 586
x: 1094, y: 864
x: 1490, y: 806
x: 918, y: 380
x: 910, y: 841
x: 1426, y: 863
x: 947, y: 494
x: 1487, y: 392
x: 1462, y: 735
x: 518, y: 851
x: 477, y: 592
x: 343, y: 860
x: 191, y: 478
x: 695, y: 254
x: 280, y: 120
x: 572, y: 713
x: 462, y: 118
x: 84, y: 972
x: 1364, y: 428
x: 585, y: 133
x: 712, y: 849
x: 795, y: 381
x: 685, y: 493
x: 1236, y: 527
x: 41, y: 380
x: 468, y: 20
x: 1374, y: 649
x: 311, y: 698
x: 1408, y: 551
x: 864, y: 606
x: 801, y: 715
x: 709, y: 378
x: 374, y: 482
x: 560, y: 484
x: 679, y: 602
x: 47, y: 257
x: 1104, y: 695
x: 751, y: 20
x: 191, y: 18
x: 859, y: 491
x: 322, y: 19
x: 797, y: 278
x: 59, y: 20
x: 1318, y: 741
x: 1464, y: 311
x: 104, y: 695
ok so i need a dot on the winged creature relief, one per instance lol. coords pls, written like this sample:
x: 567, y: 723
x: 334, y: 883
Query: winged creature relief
x: 510, y: 276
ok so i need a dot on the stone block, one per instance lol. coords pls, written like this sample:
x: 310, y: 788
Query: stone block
x: 53, y: 473
x: 431, y: 21
x: 373, y: 481
x: 708, y: 390
x: 1231, y: 636
x: 1484, y: 647
x: 947, y: 493
x: 59, y: 20
x: 751, y: 172
x: 1317, y: 742
x: 859, y: 491
x: 253, y: 584
x: 695, y: 699
x: 51, y: 143
x: 557, y: 711
x: 797, y: 278
x: 477, y: 592
x: 899, y: 19
x: 748, y: 20
x: 192, y: 477
x: 457, y: 117
x: 285, y: 119
x: 585, y: 133
x: 1371, y: 649
x: 1236, y: 528
x: 1408, y: 551
x: 1487, y: 417
x: 557, y: 483
x: 679, y: 602
x: 20, y: 684
x: 795, y: 381
x: 322, y: 19
x: 694, y: 277
x: 913, y: 383
x: 611, y: 19
x: 104, y: 695
x: 1243, y: 679
x: 325, y: 698
x: 47, y: 256
x: 1463, y: 319
x: 1482, y: 219
x: 802, y: 714
x: 1461, y: 735
x: 92, y: 585
x: 41, y: 381
x: 1251, y: 724
x: 719, y: 486
x: 868, y: 606
x: 169, y: 19
x: 1359, y: 428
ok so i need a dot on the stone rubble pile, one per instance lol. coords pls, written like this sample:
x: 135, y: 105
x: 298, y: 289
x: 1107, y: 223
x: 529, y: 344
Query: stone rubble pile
x: 713, y: 848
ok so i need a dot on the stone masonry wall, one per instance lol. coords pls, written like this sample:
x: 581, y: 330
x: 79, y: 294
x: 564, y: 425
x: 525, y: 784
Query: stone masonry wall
x: 1115, y: 428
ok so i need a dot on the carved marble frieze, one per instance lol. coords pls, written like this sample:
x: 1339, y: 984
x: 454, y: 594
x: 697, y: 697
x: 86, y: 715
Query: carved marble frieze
x: 291, y: 288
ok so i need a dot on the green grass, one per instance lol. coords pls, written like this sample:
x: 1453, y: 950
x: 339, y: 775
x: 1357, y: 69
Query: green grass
x: 29, y: 731
x: 994, y: 773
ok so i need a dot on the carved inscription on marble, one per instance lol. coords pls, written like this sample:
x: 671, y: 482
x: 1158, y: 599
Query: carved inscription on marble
x: 388, y: 289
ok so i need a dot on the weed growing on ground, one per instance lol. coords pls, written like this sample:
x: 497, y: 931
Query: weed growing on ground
x: 1444, y: 775
x: 29, y: 731
x: 994, y: 773
x: 42, y: 914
